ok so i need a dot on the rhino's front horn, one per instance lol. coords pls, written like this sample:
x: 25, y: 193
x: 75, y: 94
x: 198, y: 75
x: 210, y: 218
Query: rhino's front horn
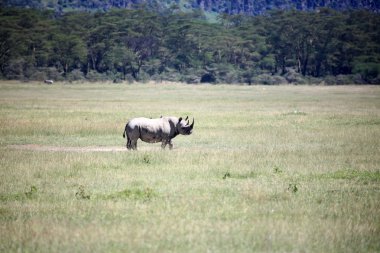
x: 192, y: 124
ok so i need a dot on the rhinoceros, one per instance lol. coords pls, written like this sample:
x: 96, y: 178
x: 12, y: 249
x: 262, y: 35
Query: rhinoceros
x: 162, y: 129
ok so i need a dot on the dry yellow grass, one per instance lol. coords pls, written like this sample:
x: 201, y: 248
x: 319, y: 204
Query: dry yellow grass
x: 267, y: 169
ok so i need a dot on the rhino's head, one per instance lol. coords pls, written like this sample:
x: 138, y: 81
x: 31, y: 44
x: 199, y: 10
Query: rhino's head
x: 184, y: 127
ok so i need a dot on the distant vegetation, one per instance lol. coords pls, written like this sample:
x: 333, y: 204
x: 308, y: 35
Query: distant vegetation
x: 279, y: 47
x: 247, y: 7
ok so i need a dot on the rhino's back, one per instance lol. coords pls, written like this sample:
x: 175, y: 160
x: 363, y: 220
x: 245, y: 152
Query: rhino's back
x: 139, y: 122
x: 165, y: 125
x: 148, y: 130
x: 148, y: 125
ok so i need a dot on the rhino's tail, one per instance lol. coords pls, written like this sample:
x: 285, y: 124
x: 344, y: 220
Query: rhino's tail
x: 125, y: 130
x: 129, y: 141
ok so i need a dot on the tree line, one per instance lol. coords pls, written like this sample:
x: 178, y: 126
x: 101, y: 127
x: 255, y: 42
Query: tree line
x: 120, y: 44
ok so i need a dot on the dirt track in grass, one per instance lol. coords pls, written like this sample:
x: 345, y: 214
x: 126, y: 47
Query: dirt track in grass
x: 36, y: 147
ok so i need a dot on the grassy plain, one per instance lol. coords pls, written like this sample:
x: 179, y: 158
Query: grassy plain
x: 267, y: 169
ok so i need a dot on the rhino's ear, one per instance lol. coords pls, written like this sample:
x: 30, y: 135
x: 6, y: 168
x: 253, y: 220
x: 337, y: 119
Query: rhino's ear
x: 180, y: 119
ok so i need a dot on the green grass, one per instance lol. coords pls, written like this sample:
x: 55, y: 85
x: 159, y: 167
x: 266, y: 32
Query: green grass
x: 267, y: 169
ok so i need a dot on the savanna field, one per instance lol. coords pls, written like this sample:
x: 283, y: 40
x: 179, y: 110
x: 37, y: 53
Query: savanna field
x: 267, y: 169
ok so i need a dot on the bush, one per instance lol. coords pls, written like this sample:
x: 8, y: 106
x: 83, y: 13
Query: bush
x: 38, y: 75
x: 53, y: 74
x: 231, y: 77
x: 152, y: 67
x: 314, y: 80
x: 143, y: 77
x: 191, y: 79
x: 41, y: 74
x: 369, y: 71
x: 15, y: 69
x: 193, y: 75
x: 357, y: 79
x: 248, y: 76
x: 117, y: 80
x: 225, y: 73
x: 294, y: 77
x: 343, y: 79
x: 329, y: 80
x: 171, y: 75
x: 129, y: 78
x: 156, y: 78
x: 376, y: 80
x: 269, y: 79
x: 75, y: 75
x: 94, y: 76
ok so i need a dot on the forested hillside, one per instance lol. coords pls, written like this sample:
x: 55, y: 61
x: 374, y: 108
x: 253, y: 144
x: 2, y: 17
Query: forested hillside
x: 254, y: 7
x: 250, y: 7
x: 279, y: 47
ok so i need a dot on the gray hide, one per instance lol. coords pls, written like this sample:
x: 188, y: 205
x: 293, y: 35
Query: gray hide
x: 163, y: 129
x: 49, y: 81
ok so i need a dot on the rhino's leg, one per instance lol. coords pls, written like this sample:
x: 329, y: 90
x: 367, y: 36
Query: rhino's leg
x: 134, y: 144
x: 164, y: 143
x: 129, y: 143
x: 133, y: 134
x: 170, y: 144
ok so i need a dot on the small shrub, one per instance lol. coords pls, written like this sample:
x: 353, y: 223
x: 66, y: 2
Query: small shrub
x: 81, y: 194
x: 277, y: 170
x: 226, y: 175
x: 293, y: 188
x: 146, y: 159
x: 32, y: 193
